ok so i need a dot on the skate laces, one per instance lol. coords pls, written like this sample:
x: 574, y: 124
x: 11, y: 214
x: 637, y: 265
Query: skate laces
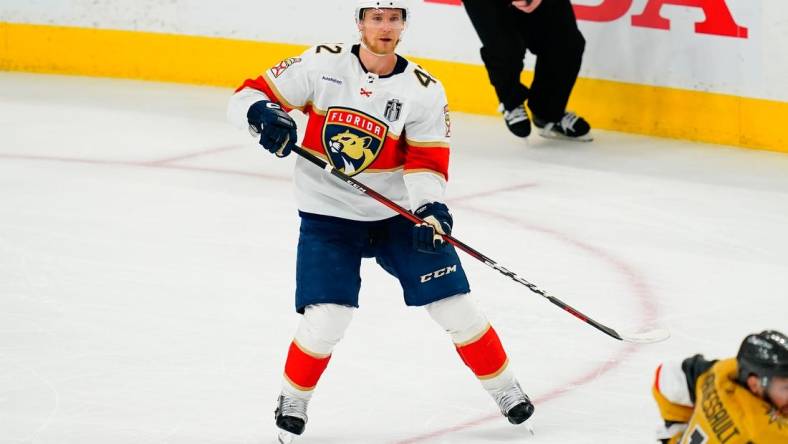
x: 291, y: 406
x: 569, y: 120
x: 510, y: 397
x: 516, y: 115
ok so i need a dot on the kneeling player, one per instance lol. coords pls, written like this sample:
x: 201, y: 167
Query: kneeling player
x: 732, y: 401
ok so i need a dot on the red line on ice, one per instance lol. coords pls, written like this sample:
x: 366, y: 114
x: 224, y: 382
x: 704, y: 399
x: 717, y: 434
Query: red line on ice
x: 155, y: 164
x: 637, y: 283
x: 194, y: 154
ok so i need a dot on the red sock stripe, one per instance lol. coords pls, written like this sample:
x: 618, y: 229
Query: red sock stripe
x: 303, y: 369
x: 485, y: 356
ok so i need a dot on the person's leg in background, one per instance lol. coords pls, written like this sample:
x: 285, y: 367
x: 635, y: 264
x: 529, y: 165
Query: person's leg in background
x: 502, y: 52
x: 552, y: 35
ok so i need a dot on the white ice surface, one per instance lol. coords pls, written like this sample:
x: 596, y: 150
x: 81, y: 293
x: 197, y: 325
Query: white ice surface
x: 147, y: 276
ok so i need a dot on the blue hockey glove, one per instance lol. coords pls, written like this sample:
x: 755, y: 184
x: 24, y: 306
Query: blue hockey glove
x: 276, y: 128
x: 426, y: 236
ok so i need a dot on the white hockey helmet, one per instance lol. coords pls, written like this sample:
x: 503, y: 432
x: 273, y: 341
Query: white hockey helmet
x: 361, y: 5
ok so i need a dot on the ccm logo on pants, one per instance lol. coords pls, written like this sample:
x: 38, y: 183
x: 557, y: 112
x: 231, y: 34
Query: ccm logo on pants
x: 438, y: 273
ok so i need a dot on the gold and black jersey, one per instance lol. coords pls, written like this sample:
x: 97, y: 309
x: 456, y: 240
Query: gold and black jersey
x: 720, y: 410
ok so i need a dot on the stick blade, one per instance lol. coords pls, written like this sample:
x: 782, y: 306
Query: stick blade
x: 646, y: 337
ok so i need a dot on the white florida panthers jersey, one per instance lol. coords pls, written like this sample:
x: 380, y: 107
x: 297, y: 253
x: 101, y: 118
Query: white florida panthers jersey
x: 389, y: 132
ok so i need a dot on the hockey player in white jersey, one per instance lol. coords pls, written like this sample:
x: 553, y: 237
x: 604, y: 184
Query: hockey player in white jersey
x: 375, y: 115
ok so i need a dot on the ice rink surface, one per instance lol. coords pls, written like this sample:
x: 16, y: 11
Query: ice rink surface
x: 147, y: 259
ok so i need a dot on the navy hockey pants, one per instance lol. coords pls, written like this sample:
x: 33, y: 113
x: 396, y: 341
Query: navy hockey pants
x: 329, y: 257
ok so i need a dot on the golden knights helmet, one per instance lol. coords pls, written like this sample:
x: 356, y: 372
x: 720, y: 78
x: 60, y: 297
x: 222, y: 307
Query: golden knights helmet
x: 361, y: 5
x: 764, y: 355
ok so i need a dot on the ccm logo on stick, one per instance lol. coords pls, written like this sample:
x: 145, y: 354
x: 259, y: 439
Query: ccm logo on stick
x: 438, y: 273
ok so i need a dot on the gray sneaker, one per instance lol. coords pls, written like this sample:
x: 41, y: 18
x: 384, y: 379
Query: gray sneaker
x: 517, y: 120
x: 570, y: 127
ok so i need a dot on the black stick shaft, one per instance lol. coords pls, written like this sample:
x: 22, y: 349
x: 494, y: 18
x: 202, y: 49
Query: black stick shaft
x: 456, y: 242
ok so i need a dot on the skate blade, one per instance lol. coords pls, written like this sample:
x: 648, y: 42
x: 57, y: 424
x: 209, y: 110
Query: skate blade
x: 285, y: 437
x: 552, y: 135
x: 528, y: 425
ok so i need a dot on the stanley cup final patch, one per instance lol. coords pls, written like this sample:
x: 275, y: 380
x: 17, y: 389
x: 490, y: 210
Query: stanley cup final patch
x: 352, y: 139
x: 393, y: 108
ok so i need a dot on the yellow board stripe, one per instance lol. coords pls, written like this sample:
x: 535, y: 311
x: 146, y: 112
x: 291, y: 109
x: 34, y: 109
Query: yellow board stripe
x: 619, y: 106
x: 633, y: 108
x: 138, y: 55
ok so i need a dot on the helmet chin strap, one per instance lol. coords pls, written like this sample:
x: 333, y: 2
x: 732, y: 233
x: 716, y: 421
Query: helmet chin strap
x: 765, y: 382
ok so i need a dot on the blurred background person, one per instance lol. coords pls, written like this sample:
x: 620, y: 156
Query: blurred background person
x: 549, y: 30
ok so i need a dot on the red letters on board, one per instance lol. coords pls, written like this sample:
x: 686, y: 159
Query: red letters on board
x: 719, y: 20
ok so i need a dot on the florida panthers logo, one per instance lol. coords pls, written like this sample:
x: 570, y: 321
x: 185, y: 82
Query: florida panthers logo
x: 352, y: 139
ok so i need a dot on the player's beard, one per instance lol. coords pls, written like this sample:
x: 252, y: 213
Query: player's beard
x: 379, y: 50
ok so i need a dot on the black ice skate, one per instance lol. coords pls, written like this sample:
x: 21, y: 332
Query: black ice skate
x: 514, y: 404
x: 570, y: 127
x: 517, y: 120
x: 290, y: 415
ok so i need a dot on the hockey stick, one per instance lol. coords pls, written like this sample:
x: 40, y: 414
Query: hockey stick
x: 646, y: 337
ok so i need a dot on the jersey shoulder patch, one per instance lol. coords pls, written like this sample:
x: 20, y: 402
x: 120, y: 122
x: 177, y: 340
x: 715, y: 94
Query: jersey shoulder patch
x: 280, y: 68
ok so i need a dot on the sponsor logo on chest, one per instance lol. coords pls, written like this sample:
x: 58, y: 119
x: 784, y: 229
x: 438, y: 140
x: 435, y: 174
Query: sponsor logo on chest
x: 331, y: 80
x: 352, y: 139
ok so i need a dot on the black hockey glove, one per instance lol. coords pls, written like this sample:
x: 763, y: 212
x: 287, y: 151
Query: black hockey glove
x: 276, y: 128
x: 426, y: 236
